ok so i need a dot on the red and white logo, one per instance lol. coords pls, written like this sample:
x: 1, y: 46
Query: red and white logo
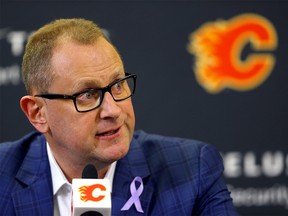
x: 218, y: 47
x: 92, y: 192
x: 91, y: 195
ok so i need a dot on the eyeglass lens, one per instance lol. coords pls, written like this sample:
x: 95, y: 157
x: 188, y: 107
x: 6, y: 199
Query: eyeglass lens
x: 92, y: 98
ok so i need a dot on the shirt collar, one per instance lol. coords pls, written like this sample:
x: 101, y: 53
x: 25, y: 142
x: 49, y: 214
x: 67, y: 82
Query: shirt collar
x: 59, y: 179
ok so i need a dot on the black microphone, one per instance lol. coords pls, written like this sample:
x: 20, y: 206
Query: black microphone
x: 85, y: 202
x: 90, y: 172
x: 91, y: 213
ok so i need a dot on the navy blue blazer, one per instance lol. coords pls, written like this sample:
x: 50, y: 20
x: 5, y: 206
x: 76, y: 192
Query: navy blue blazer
x: 180, y: 177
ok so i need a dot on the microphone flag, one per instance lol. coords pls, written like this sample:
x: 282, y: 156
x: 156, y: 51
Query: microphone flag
x: 91, y: 196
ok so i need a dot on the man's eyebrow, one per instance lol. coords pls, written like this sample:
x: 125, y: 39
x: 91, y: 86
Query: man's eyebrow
x: 87, y: 84
x: 117, y: 75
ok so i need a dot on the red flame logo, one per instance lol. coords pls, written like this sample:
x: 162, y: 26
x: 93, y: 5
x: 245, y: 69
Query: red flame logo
x: 218, y: 46
x: 86, y: 193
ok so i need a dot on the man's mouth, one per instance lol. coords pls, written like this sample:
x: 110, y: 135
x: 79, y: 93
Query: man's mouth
x: 108, y: 133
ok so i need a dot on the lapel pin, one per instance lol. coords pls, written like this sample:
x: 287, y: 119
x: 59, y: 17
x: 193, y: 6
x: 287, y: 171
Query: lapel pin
x: 135, y: 194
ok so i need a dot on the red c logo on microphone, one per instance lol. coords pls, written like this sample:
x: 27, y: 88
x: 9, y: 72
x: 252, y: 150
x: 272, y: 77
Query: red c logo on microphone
x: 86, y: 193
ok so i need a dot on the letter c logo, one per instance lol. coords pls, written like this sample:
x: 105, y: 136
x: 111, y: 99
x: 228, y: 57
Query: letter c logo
x: 218, y: 48
x: 86, y: 193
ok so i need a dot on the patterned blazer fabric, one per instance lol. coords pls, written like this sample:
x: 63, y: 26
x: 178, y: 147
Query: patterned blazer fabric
x: 180, y: 177
x: 25, y: 178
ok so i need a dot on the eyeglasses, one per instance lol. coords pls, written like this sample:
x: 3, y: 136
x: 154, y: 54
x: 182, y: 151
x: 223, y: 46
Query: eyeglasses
x: 91, y: 99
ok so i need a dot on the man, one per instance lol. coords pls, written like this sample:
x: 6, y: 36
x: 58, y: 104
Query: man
x: 79, y: 101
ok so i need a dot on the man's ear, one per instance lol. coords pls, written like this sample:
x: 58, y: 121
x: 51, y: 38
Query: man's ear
x: 34, y: 110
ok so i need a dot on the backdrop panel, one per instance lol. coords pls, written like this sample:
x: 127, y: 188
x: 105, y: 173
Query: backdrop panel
x: 244, y: 118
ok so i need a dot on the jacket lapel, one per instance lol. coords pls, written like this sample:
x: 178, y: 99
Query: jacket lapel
x: 36, y: 197
x: 132, y: 165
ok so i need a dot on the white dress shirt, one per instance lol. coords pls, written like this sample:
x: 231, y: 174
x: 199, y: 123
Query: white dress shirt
x: 62, y: 189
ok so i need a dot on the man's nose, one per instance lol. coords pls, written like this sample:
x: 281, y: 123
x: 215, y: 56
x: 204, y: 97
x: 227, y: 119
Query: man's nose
x: 109, y: 107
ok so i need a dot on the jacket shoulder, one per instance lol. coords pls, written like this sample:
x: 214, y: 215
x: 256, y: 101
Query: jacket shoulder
x: 162, y: 152
x: 13, y: 153
x: 153, y: 144
x: 174, y: 154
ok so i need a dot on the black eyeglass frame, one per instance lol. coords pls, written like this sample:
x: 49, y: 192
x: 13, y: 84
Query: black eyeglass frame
x: 103, y: 91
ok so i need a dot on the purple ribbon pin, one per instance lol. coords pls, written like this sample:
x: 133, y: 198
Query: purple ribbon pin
x: 135, y: 194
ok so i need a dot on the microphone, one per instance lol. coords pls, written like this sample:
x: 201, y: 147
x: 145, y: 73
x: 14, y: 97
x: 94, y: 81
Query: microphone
x: 90, y: 172
x: 91, y: 196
